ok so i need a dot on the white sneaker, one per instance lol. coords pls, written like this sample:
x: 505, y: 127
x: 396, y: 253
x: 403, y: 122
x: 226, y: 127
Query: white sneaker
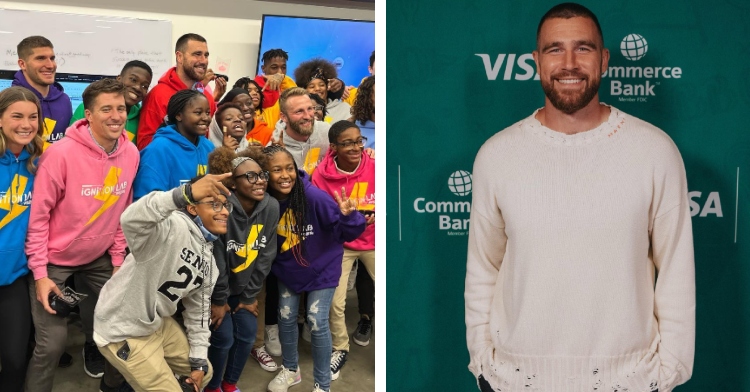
x: 318, y: 389
x: 284, y: 379
x: 273, y: 344
x: 266, y: 362
x: 306, y: 333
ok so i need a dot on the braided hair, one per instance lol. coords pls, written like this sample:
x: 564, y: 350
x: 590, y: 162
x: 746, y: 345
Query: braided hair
x: 298, y: 206
x: 364, y: 106
x: 178, y: 102
x: 273, y: 53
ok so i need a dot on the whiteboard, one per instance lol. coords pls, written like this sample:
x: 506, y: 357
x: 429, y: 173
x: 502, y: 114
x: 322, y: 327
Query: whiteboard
x: 89, y: 44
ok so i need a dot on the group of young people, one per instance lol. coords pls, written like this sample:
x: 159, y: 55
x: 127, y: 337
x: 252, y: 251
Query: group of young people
x: 182, y: 221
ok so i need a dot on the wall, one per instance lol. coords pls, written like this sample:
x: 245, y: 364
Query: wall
x: 232, y: 40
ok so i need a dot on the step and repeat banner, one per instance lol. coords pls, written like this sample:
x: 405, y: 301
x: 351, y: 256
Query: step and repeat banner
x: 463, y: 70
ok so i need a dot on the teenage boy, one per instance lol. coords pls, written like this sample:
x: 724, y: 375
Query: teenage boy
x: 171, y: 238
x: 347, y: 168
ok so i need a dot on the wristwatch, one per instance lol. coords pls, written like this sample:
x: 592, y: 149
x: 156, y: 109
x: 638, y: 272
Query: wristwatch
x: 204, y: 368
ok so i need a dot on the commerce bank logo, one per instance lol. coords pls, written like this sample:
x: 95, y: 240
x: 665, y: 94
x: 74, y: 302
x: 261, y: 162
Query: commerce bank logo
x: 452, y: 213
x: 628, y: 82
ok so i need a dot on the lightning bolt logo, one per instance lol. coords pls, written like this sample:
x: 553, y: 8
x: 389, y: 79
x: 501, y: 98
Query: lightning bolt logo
x: 202, y: 169
x: 248, y: 254
x: 49, y: 125
x: 107, y: 195
x: 358, y: 193
x: 285, y: 229
x: 14, y: 210
x: 311, y: 160
x: 131, y: 135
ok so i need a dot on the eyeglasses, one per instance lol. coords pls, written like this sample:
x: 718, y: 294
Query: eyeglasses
x: 252, y: 177
x: 359, y: 143
x: 217, y: 205
x: 318, y: 108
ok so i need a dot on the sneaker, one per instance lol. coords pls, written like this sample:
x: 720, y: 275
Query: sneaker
x: 264, y: 359
x: 352, y: 277
x: 338, y: 359
x: 65, y: 360
x: 317, y: 388
x: 306, y: 333
x: 364, y: 330
x: 285, y: 379
x: 273, y: 344
x: 226, y: 387
x: 124, y: 387
x: 93, y: 360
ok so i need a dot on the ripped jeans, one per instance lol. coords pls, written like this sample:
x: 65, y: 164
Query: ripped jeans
x: 318, y: 307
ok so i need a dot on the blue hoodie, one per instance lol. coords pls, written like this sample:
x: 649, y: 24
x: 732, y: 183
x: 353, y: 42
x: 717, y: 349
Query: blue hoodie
x: 170, y: 160
x: 327, y: 230
x: 15, y: 199
x: 56, y: 109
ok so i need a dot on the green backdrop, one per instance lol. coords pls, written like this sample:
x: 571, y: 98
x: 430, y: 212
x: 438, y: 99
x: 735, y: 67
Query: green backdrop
x: 451, y: 88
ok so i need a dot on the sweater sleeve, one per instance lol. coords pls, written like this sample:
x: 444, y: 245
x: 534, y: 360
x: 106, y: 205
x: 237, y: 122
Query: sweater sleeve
x: 343, y: 228
x: 674, y: 292
x: 262, y: 265
x: 49, y: 188
x: 141, y: 219
x: 150, y: 119
x: 221, y: 289
x: 486, y: 249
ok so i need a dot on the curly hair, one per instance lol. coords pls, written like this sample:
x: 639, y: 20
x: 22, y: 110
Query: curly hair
x: 220, y: 161
x: 298, y: 208
x: 364, y: 106
x: 316, y: 68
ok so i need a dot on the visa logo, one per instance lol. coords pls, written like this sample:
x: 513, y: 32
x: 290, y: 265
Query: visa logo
x: 523, y: 66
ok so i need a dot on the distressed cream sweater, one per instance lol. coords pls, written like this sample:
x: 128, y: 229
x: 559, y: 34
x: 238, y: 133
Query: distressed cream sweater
x: 580, y: 271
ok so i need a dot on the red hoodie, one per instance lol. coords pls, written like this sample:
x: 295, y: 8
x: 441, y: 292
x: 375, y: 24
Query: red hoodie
x: 154, y: 106
x: 79, y: 194
x: 360, y: 185
x: 270, y: 97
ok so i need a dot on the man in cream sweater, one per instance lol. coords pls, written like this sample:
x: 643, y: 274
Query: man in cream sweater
x: 580, y: 272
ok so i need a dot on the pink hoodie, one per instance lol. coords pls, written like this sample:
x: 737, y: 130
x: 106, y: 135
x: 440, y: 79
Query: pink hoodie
x: 79, y: 195
x: 360, y: 185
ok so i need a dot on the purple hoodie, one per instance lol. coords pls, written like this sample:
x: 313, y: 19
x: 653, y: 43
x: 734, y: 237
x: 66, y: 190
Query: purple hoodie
x: 56, y: 109
x: 326, y: 233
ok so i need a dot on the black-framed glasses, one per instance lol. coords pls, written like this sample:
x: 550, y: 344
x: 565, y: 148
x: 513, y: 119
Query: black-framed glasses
x: 318, y: 108
x: 217, y: 205
x: 359, y: 143
x: 253, y: 177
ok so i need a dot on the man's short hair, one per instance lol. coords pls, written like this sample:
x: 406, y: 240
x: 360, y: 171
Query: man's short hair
x: 567, y: 11
x: 372, y: 59
x: 28, y: 44
x: 103, y: 86
x: 273, y: 53
x: 289, y: 93
x: 137, y: 64
x: 182, y: 42
x: 338, y: 128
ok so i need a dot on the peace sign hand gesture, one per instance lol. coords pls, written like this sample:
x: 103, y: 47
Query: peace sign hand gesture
x: 346, y: 205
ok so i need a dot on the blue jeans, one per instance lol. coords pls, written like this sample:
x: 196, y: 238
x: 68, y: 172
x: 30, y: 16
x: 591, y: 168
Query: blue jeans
x: 231, y: 344
x: 318, y: 307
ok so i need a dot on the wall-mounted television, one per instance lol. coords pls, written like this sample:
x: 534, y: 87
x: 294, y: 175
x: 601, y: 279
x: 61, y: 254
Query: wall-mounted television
x: 73, y: 84
x: 346, y: 43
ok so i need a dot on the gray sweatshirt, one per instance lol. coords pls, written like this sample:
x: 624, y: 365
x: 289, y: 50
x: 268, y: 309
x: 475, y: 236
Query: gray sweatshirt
x: 338, y: 110
x: 309, y: 153
x: 170, y: 261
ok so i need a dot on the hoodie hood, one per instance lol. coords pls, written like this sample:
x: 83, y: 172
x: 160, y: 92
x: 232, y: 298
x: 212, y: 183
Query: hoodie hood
x: 216, y: 135
x: 170, y: 133
x: 171, y: 79
x: 56, y: 109
x: 79, y: 132
x: 329, y: 172
x: 56, y: 90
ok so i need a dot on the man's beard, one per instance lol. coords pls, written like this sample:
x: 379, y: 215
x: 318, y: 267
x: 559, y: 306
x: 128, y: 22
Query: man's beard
x: 190, y: 72
x: 304, y: 132
x: 570, y: 103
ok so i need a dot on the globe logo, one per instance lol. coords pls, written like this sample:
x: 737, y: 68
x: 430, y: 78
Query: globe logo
x: 633, y: 47
x: 460, y: 183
